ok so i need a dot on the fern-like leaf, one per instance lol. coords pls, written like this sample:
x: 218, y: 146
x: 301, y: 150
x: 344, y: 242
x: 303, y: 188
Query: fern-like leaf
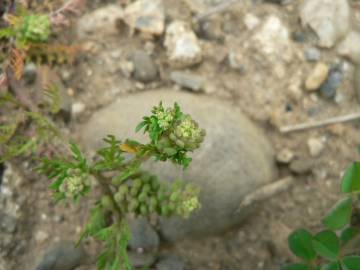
x: 17, y: 62
x: 53, y: 98
x: 7, y: 32
x: 51, y: 54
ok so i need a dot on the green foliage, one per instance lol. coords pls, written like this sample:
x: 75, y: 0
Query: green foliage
x: 172, y: 134
x: 326, y: 250
x: 300, y: 244
x: 127, y: 189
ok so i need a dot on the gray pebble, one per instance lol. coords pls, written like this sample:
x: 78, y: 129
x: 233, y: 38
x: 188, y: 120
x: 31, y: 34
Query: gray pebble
x: 329, y: 87
x: 357, y: 81
x: 143, y: 235
x: 301, y: 166
x: 170, y: 263
x: 7, y: 223
x: 145, y: 69
x: 312, y: 54
x: 299, y: 37
x: 141, y: 259
x: 187, y: 80
x: 62, y: 256
x: 2, y: 170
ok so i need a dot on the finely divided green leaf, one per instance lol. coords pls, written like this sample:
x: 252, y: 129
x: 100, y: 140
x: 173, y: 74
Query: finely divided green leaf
x: 339, y: 216
x: 327, y: 244
x: 300, y: 243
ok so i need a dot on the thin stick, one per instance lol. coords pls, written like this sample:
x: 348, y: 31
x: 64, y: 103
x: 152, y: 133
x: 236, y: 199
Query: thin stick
x: 265, y: 192
x: 329, y: 121
x: 216, y: 9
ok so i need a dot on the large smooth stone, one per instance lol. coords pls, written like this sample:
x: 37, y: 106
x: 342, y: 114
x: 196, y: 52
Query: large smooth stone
x: 234, y: 160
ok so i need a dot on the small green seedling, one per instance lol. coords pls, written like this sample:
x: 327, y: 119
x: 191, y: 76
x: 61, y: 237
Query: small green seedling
x: 127, y: 189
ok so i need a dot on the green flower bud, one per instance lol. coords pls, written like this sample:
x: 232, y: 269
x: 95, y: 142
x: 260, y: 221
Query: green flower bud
x: 119, y: 197
x: 144, y: 209
x: 143, y: 197
x: 107, y: 202
x: 174, y: 196
x: 134, y: 191
x: 137, y: 183
x: 133, y: 205
x: 123, y: 189
x: 154, y: 182
x: 146, y: 188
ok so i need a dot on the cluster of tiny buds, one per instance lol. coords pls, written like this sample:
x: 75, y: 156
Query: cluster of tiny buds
x: 145, y: 195
x: 75, y: 184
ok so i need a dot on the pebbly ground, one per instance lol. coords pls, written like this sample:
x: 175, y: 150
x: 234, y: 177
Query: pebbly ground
x: 260, y: 57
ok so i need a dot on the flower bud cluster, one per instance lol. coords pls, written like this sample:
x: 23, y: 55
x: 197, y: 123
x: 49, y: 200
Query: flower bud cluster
x: 145, y: 195
x: 75, y: 184
x: 36, y: 28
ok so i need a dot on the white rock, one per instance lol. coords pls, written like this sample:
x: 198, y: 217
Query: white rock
x: 317, y: 77
x: 78, y: 108
x: 272, y: 40
x: 146, y: 16
x: 316, y: 146
x: 350, y: 47
x: 41, y: 236
x: 285, y: 156
x: 330, y: 19
x: 102, y: 21
x: 182, y: 45
x: 251, y: 21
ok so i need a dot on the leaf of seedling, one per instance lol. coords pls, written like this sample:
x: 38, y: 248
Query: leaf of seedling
x: 332, y: 266
x: 339, y: 216
x: 351, y: 263
x: 348, y: 234
x: 296, y: 266
x: 351, y: 179
x: 300, y: 243
x: 327, y: 244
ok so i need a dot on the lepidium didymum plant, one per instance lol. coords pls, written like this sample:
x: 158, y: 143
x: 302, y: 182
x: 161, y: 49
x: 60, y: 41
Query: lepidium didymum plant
x: 337, y: 246
x: 129, y: 190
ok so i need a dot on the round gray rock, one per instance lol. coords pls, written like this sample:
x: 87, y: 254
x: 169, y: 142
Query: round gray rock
x: 234, y: 160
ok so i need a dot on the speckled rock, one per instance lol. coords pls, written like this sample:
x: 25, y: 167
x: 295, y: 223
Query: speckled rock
x: 182, y: 45
x: 146, y: 16
x: 63, y: 256
x: 350, y: 47
x: 234, y: 160
x: 330, y: 19
x: 102, y: 21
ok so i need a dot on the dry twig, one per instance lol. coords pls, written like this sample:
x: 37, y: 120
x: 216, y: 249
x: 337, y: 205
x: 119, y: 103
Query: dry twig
x: 329, y: 121
x: 265, y: 192
x: 214, y: 10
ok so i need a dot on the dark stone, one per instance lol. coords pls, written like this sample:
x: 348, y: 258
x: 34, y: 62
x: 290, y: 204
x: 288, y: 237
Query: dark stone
x: 329, y: 87
x: 299, y: 37
x: 170, y: 262
x: 62, y: 256
x: 143, y: 235
x: 145, y: 69
x: 302, y: 165
x: 2, y: 170
x: 7, y: 223
x: 141, y: 259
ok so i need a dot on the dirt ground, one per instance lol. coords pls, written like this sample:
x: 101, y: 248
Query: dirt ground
x: 268, y: 98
